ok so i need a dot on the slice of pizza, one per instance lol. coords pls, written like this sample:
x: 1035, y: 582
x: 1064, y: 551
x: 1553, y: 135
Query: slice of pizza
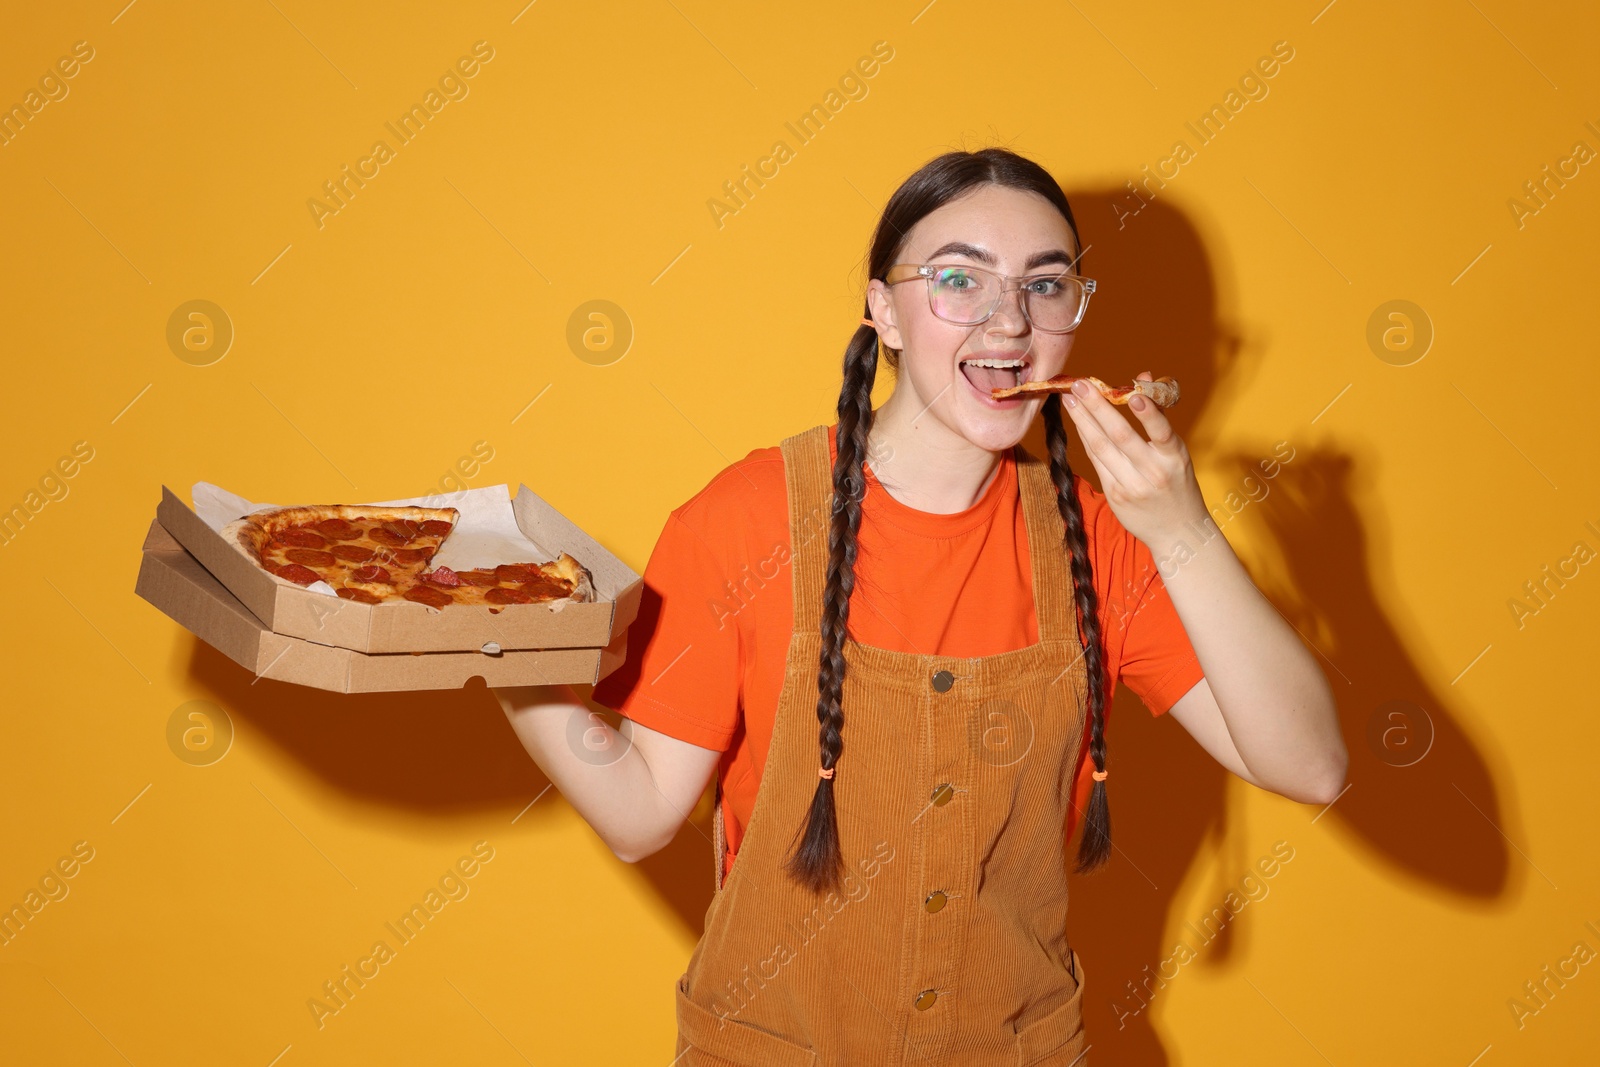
x: 1163, y: 392
x: 509, y: 583
x: 372, y: 554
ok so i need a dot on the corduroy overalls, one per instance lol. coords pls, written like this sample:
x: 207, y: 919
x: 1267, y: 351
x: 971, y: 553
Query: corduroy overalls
x: 946, y: 943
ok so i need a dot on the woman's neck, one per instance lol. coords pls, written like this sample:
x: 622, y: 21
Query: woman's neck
x: 925, y: 465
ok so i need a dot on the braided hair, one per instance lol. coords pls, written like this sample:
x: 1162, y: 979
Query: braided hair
x: 816, y: 861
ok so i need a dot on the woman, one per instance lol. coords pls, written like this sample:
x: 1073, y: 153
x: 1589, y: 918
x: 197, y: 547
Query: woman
x: 953, y: 617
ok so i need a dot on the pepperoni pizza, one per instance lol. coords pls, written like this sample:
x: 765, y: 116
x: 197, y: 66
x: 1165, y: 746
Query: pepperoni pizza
x: 372, y: 554
x: 1163, y: 392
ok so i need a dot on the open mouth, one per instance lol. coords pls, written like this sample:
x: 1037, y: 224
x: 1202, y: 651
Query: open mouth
x: 991, y: 371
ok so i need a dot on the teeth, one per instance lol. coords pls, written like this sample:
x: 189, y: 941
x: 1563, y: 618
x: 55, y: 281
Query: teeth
x: 1014, y: 363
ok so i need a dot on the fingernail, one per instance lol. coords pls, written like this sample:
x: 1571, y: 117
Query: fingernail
x: 1072, y: 401
x: 1081, y: 388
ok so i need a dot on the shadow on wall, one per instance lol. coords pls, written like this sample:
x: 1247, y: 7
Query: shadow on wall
x: 439, y: 754
x: 450, y: 753
x: 1420, y: 797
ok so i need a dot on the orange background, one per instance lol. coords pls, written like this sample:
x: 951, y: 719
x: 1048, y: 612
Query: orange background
x: 433, y: 312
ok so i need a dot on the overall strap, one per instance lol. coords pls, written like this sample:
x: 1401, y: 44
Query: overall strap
x: 808, y: 473
x: 809, y: 478
x: 1053, y: 599
x: 719, y: 833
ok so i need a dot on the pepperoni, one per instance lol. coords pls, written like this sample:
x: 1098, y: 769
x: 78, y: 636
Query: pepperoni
x: 519, y: 572
x: 385, y: 536
x: 311, y: 557
x: 371, y: 574
x: 352, y: 553
x: 443, y: 576
x: 547, y: 588
x: 338, y: 529
x: 297, y: 574
x: 403, y: 528
x: 427, y: 594
x: 508, y: 596
x: 300, y: 537
x: 478, y: 578
x: 359, y: 595
x: 409, y: 556
x: 436, y: 528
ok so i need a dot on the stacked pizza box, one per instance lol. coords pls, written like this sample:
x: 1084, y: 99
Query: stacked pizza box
x: 281, y: 630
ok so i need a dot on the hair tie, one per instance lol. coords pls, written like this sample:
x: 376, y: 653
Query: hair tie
x: 1101, y: 776
x: 825, y: 773
x: 867, y: 322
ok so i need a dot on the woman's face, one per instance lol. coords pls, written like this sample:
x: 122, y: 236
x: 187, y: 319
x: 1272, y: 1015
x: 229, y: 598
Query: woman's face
x: 1006, y: 230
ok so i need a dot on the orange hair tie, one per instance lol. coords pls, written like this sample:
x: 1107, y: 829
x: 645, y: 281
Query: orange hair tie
x: 867, y: 322
x: 825, y: 773
x: 1101, y: 776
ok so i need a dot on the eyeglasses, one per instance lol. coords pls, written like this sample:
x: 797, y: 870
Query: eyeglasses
x: 966, y: 296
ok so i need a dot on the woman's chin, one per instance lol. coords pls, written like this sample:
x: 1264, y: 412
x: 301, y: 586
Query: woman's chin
x: 995, y: 429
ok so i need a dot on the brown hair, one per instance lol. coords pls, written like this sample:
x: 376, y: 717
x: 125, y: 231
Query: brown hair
x: 817, y: 861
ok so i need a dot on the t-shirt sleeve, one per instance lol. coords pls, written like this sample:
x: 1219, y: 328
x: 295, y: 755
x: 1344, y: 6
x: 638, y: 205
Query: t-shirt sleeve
x: 1158, y: 661
x: 681, y: 674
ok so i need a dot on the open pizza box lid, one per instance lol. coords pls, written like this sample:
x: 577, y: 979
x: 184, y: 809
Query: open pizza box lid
x: 401, y: 626
x: 176, y: 583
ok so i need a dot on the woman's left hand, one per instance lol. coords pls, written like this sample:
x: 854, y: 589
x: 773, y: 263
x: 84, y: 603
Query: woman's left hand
x: 1150, y: 485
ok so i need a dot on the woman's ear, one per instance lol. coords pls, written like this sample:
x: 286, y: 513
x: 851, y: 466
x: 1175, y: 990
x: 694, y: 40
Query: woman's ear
x: 883, y: 314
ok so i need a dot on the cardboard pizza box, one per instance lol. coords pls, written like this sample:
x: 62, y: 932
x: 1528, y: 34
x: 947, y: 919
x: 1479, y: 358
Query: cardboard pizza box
x: 401, y: 626
x: 175, y: 582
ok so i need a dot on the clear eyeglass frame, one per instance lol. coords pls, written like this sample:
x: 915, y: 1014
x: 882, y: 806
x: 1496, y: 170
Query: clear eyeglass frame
x: 926, y: 271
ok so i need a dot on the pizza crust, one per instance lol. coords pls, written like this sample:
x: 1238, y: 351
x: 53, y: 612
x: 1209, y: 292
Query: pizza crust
x: 248, y: 538
x: 280, y: 518
x: 564, y: 566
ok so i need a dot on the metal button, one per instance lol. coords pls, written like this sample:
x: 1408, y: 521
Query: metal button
x: 935, y: 900
x: 943, y: 793
x: 925, y: 999
x: 943, y: 680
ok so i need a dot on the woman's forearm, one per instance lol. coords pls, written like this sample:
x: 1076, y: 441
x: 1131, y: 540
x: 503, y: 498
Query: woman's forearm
x: 597, y: 770
x: 1272, y: 693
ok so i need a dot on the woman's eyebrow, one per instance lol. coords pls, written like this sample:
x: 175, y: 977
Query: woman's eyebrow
x: 1055, y: 255
x: 984, y: 256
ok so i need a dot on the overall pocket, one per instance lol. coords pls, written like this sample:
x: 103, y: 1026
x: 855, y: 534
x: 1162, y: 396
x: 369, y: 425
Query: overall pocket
x: 713, y: 1041
x: 1058, y: 1036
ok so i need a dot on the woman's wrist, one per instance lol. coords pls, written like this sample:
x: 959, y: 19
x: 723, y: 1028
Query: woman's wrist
x: 1185, y: 539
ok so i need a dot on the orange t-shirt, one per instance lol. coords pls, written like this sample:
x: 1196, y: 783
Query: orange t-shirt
x: 706, y: 654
